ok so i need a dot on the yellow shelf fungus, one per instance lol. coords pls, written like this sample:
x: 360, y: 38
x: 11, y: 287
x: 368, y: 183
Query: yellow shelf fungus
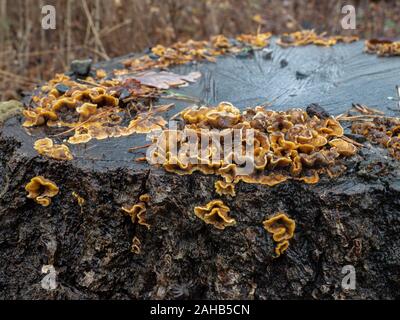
x: 81, y: 201
x: 281, y: 247
x: 136, y: 245
x: 95, y: 107
x: 307, y: 37
x: 215, y: 213
x: 287, y: 145
x: 47, y: 148
x: 281, y: 226
x: 282, y: 229
x: 41, y: 190
x: 184, y: 52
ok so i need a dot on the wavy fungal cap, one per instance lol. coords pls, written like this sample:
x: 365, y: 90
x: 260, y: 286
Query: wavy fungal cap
x: 87, y: 109
x: 280, y: 226
x: 215, y: 213
x: 41, y: 190
x: 282, y: 229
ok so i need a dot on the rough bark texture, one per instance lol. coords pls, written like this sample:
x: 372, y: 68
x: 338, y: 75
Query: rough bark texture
x: 353, y: 219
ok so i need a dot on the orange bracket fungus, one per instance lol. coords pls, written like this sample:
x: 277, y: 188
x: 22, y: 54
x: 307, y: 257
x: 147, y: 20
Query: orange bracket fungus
x: 47, y: 148
x: 184, y: 52
x: 306, y: 37
x: 225, y: 188
x: 41, y: 190
x: 343, y: 147
x: 282, y: 229
x: 286, y: 145
x: 138, y: 211
x: 215, y: 213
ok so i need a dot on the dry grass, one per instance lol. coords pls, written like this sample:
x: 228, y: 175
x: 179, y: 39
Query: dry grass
x: 108, y: 28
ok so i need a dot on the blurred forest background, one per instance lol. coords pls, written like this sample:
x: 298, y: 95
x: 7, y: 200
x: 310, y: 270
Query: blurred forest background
x: 103, y: 29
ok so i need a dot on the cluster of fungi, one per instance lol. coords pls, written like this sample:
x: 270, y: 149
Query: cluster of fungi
x: 383, y: 48
x: 287, y: 145
x: 282, y: 229
x: 384, y: 131
x: 189, y: 51
x: 93, y: 110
